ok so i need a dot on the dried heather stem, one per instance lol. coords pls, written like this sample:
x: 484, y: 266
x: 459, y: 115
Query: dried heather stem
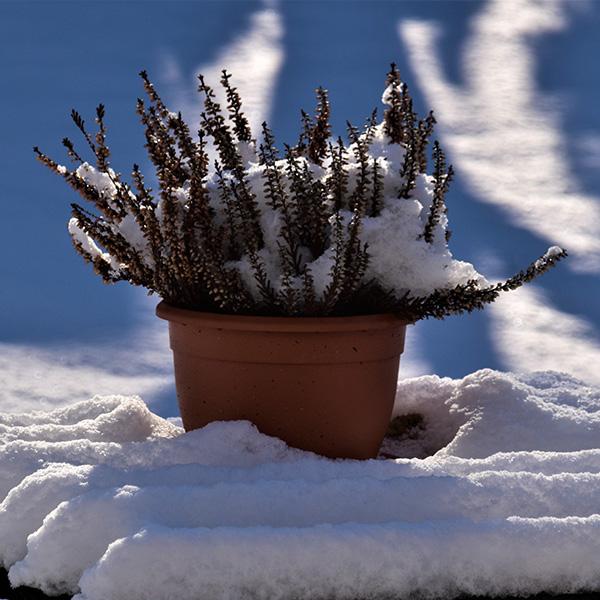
x: 189, y: 252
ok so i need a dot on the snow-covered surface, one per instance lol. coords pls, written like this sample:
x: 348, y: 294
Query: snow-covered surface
x: 532, y: 333
x: 43, y: 378
x: 498, y: 492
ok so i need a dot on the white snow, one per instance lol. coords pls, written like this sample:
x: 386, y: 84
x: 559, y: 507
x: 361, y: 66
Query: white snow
x: 130, y: 229
x: 400, y: 258
x: 61, y: 373
x: 127, y: 226
x: 103, y: 182
x: 498, y: 493
x: 89, y: 245
x: 554, y: 251
x: 531, y: 332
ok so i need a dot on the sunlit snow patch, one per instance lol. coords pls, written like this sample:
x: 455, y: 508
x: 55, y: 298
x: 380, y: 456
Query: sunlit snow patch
x: 502, y: 499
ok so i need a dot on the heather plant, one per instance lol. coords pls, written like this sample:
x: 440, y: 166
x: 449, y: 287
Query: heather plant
x: 323, y: 227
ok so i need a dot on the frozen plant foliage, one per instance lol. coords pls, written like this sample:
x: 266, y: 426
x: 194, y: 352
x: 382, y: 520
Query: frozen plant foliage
x: 326, y: 228
x: 502, y: 500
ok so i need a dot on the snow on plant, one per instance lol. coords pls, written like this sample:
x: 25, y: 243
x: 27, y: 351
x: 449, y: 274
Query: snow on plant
x: 327, y: 228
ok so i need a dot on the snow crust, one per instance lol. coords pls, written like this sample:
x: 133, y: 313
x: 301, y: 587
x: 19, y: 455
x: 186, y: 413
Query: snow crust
x: 496, y: 491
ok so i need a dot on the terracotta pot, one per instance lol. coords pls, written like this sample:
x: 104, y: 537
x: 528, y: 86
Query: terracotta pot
x: 321, y: 384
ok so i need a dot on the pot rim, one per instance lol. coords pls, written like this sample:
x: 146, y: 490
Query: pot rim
x: 278, y: 324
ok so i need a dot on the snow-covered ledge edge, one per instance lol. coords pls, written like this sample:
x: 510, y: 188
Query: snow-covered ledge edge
x: 504, y: 486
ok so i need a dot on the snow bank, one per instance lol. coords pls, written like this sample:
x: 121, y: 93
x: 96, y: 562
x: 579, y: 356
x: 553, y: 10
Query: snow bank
x: 489, y: 412
x: 352, y: 560
x: 498, y: 493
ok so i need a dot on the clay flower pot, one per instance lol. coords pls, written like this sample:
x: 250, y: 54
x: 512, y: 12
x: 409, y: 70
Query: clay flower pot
x: 324, y: 384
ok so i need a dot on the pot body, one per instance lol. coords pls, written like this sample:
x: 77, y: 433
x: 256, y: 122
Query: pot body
x: 321, y: 384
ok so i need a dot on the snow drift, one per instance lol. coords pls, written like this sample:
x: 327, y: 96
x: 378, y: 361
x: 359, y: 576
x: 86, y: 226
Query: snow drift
x: 497, y: 492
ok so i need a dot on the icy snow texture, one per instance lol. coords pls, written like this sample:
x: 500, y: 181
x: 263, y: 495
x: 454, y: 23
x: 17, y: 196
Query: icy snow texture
x: 503, y: 497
